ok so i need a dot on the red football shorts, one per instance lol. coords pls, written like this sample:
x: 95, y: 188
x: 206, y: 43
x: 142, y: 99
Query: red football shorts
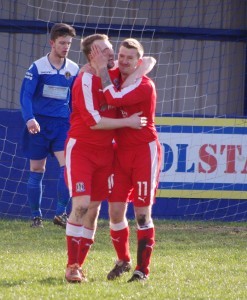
x: 88, y: 169
x: 136, y: 174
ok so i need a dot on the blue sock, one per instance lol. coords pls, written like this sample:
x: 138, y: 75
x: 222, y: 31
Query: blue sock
x: 34, y: 193
x: 62, y: 194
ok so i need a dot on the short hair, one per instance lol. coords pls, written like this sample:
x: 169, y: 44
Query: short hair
x: 61, y: 29
x: 87, y: 42
x: 131, y: 43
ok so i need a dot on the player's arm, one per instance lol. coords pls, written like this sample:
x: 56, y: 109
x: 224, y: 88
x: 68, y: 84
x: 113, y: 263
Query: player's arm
x: 83, y: 99
x: 28, y: 88
x: 148, y: 62
x: 70, y: 92
x: 87, y: 68
x: 133, y: 94
x: 135, y: 121
x: 144, y: 68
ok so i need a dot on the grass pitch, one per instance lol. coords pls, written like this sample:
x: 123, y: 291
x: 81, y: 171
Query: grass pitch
x: 191, y: 260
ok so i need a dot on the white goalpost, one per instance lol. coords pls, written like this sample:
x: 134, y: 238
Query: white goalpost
x: 200, y: 76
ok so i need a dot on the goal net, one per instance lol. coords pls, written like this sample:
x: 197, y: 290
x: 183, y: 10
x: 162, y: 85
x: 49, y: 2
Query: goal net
x: 200, y: 76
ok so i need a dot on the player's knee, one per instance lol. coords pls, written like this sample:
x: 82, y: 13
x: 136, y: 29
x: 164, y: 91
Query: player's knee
x: 116, y: 216
x: 117, y: 212
x: 80, y: 211
x: 141, y: 219
x: 93, y: 212
x: 37, y: 169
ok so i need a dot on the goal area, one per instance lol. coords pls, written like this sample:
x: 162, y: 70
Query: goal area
x: 200, y: 77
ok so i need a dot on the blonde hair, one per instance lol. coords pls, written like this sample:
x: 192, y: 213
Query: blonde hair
x: 87, y: 42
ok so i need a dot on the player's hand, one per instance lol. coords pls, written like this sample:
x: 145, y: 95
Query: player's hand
x: 136, y: 121
x: 33, y: 126
x: 98, y: 59
x: 87, y: 68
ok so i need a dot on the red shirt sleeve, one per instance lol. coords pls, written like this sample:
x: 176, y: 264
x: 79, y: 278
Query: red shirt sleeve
x: 84, y: 99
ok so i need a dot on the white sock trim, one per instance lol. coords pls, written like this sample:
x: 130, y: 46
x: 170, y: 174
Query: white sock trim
x: 88, y: 233
x: 146, y: 226
x: 119, y: 226
x: 73, y: 230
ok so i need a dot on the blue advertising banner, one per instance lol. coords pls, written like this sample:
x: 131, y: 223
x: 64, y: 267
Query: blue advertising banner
x: 203, y: 157
x: 203, y: 174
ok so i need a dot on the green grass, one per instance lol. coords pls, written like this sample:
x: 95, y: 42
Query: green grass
x: 191, y: 260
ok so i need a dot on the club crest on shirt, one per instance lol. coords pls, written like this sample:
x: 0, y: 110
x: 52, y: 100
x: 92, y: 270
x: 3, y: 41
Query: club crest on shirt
x: 124, y: 113
x: 80, y: 187
x: 116, y: 83
x: 67, y: 75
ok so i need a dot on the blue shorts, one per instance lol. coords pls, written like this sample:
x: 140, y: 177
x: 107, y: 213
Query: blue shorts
x: 50, y: 139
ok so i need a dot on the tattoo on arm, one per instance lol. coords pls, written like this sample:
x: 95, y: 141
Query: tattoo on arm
x: 105, y: 78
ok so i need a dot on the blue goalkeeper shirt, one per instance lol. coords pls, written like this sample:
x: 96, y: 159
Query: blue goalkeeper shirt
x: 46, y: 91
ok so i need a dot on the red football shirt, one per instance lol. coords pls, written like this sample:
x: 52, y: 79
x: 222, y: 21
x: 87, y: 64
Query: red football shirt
x: 88, y: 106
x: 138, y: 97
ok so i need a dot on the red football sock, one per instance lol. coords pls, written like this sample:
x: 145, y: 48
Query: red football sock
x: 73, y: 236
x: 145, y: 245
x: 86, y: 242
x: 73, y: 244
x: 120, y: 240
x: 84, y: 249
